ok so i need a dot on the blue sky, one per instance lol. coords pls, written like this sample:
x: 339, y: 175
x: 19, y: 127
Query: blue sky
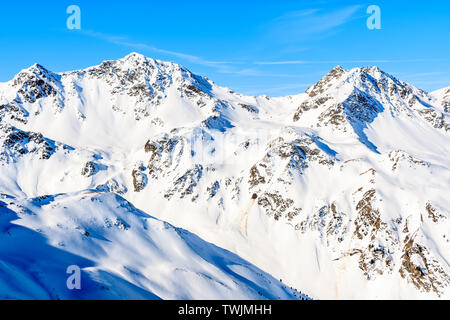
x: 254, y: 47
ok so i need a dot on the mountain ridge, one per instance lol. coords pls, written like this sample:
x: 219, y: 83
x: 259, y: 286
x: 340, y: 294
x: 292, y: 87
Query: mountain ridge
x: 98, y: 244
x: 339, y: 191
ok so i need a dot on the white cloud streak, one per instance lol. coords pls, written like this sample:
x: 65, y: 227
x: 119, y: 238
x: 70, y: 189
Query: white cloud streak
x: 312, y: 21
x: 294, y: 62
x: 124, y: 42
x: 226, y: 67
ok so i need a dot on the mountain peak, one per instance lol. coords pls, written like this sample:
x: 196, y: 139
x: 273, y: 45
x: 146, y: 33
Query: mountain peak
x: 36, y: 75
x: 372, y: 69
x: 35, y: 69
x: 39, y: 67
x: 138, y: 59
x: 365, y: 78
x: 337, y: 70
x: 376, y: 73
x: 335, y: 73
x: 357, y: 96
x: 135, y: 57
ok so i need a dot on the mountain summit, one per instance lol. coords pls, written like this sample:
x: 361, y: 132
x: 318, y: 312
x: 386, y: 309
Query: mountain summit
x: 339, y: 192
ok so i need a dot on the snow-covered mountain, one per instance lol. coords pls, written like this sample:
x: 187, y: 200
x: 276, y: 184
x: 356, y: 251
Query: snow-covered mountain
x: 123, y: 252
x: 340, y: 192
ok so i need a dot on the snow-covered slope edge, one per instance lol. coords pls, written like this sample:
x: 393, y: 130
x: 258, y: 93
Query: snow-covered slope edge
x: 123, y: 252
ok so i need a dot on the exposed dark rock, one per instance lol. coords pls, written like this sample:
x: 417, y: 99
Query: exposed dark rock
x: 140, y: 180
x: 89, y: 169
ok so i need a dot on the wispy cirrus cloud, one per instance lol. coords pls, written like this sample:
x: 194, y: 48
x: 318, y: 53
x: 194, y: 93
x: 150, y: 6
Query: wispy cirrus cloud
x: 294, y: 62
x: 308, y: 22
x: 299, y: 87
x: 125, y: 42
x: 427, y: 74
x: 252, y: 72
x: 269, y: 63
x: 226, y: 67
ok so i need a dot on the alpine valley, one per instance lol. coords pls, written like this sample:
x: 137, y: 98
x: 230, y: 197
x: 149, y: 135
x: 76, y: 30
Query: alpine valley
x: 161, y: 184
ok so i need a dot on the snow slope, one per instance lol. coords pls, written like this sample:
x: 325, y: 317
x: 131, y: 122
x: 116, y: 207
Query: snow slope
x: 123, y: 252
x: 340, y: 192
